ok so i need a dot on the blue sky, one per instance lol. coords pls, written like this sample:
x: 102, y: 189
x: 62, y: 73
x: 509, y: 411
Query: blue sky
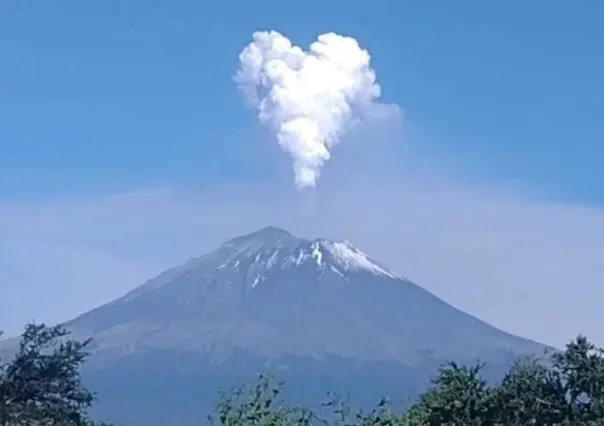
x: 109, y: 103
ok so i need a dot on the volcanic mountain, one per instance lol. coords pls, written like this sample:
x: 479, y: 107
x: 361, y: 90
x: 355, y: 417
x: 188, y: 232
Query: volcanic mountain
x: 320, y: 314
x: 273, y: 294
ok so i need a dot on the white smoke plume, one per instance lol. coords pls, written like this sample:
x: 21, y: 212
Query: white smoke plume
x: 308, y: 99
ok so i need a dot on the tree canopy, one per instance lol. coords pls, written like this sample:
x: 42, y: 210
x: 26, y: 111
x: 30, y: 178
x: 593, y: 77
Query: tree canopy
x: 41, y: 385
x: 565, y: 389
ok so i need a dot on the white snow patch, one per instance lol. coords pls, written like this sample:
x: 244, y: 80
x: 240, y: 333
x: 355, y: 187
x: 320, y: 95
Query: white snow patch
x: 301, y: 257
x: 273, y: 259
x: 256, y: 281
x: 316, y: 253
x: 337, y: 271
x: 349, y: 257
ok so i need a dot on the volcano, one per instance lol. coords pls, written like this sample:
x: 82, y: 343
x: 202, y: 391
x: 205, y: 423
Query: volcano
x: 271, y: 294
x: 322, y: 314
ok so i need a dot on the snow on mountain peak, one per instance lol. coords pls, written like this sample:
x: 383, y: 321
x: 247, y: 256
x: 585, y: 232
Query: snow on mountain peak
x: 259, y: 255
x: 351, y: 258
x: 271, y: 247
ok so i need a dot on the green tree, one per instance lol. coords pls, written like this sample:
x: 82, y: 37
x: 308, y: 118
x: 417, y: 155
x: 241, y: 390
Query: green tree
x: 41, y: 385
x: 260, y: 405
x: 579, y: 374
x: 529, y: 393
x: 460, y: 397
x: 567, y: 389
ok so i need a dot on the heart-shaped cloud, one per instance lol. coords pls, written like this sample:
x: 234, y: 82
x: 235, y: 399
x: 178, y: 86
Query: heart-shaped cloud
x: 307, y: 98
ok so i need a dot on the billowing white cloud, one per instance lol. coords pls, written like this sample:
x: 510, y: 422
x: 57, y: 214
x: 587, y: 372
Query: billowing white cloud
x: 309, y: 99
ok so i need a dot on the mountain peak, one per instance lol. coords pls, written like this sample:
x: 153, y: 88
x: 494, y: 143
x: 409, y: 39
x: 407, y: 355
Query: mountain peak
x: 272, y: 293
x: 272, y: 230
x: 271, y: 254
x: 267, y: 235
x: 270, y: 300
x: 271, y: 247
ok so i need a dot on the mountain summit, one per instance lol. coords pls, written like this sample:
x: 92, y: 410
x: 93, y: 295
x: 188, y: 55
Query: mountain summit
x: 320, y: 314
x: 273, y: 249
x: 272, y: 294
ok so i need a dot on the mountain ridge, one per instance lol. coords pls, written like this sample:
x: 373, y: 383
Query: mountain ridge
x: 320, y: 314
x: 252, y: 292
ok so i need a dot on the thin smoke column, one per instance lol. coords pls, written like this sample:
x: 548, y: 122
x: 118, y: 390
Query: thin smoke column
x: 308, y: 99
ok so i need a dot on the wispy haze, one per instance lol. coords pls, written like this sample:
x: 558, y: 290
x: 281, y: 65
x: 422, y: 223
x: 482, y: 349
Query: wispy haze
x: 515, y: 262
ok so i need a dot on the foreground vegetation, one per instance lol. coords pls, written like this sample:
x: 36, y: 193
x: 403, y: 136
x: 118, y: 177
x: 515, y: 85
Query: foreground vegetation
x: 41, y: 385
